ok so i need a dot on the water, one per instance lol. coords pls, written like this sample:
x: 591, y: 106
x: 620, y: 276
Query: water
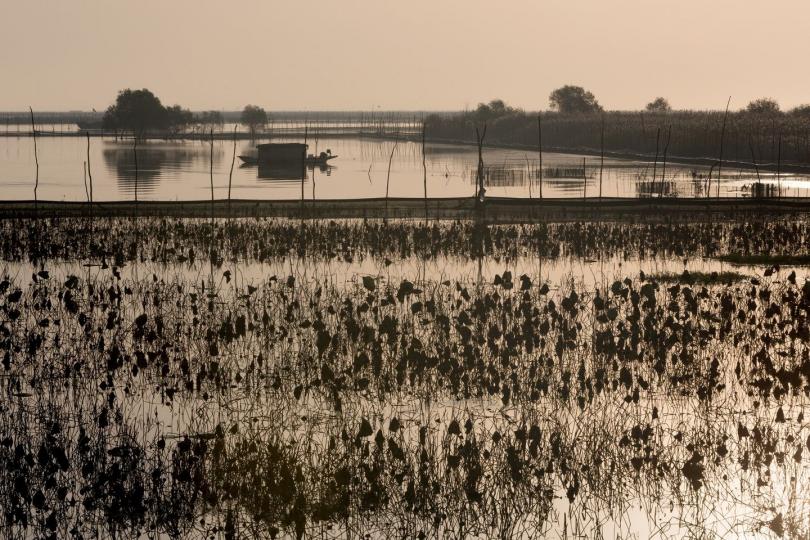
x: 180, y: 170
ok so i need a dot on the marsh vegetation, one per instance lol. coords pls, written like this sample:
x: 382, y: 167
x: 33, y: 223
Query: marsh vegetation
x: 277, y: 378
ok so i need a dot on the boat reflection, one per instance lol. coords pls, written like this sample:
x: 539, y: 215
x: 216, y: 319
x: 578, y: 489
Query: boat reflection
x: 287, y: 171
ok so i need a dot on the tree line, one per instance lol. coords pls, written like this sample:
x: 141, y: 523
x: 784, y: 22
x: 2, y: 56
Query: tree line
x: 759, y: 133
x: 141, y: 112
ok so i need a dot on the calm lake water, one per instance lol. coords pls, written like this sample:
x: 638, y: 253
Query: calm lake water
x: 180, y: 170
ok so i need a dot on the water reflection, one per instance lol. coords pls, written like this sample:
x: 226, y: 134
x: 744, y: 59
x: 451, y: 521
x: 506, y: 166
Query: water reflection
x: 180, y: 170
x: 500, y: 176
x: 155, y: 162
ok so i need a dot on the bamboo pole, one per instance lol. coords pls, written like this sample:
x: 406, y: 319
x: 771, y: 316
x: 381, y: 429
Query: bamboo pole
x: 36, y: 158
x: 303, y: 165
x: 89, y: 171
x: 86, y: 191
x: 211, y: 166
x: 664, y: 167
x: 722, y: 140
x: 230, y: 175
x: 481, y: 191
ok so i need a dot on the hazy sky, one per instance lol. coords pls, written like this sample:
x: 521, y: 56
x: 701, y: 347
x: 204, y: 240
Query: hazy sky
x: 412, y: 54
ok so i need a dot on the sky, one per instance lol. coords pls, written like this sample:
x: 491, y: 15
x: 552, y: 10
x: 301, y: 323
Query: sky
x: 409, y: 55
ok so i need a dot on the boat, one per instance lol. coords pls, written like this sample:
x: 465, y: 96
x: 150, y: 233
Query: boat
x: 287, y: 153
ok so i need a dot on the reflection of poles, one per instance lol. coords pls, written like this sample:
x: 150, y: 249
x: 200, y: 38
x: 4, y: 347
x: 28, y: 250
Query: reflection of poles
x: 230, y: 175
x: 584, y: 181
x: 481, y: 192
x: 655, y: 163
x: 211, y: 176
x: 540, y: 152
x: 86, y: 191
x: 388, y: 177
x: 424, y: 169
x: 135, y: 152
x: 528, y: 174
x: 211, y: 168
x: 722, y: 140
x: 313, y: 169
x: 601, y: 156
x: 756, y: 167
x: 304, y: 166
x: 779, y: 167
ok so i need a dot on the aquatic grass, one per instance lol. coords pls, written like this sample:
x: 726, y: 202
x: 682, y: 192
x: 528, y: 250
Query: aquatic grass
x: 203, y: 403
x: 766, y: 259
x: 259, y: 240
x: 700, y: 278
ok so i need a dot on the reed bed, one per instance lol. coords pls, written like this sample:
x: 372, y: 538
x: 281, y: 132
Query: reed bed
x: 695, y: 134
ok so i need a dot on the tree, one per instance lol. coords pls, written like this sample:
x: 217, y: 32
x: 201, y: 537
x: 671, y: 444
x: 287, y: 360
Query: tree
x: 178, y: 118
x: 253, y: 117
x: 492, y: 110
x: 573, y: 99
x: 137, y: 111
x: 211, y: 118
x: 658, y: 105
x: 763, y: 106
x: 802, y: 111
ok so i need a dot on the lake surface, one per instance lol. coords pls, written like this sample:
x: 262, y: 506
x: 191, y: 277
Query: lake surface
x: 181, y: 170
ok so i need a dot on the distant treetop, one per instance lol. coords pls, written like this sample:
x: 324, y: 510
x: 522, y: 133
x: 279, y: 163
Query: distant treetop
x: 763, y: 106
x: 253, y: 117
x: 802, y: 111
x: 494, y: 109
x: 140, y: 111
x: 573, y: 99
x: 137, y: 111
x: 658, y: 105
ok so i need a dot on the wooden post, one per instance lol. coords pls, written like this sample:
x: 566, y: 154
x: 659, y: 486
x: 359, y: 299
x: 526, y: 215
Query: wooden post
x: 655, y: 163
x: 664, y: 168
x: 89, y: 171
x: 86, y: 192
x: 36, y: 159
x: 722, y: 140
x: 584, y: 181
x: 211, y: 169
x: 481, y: 191
x: 602, y: 156
x: 779, y: 167
x: 303, y: 164
x: 135, y: 151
